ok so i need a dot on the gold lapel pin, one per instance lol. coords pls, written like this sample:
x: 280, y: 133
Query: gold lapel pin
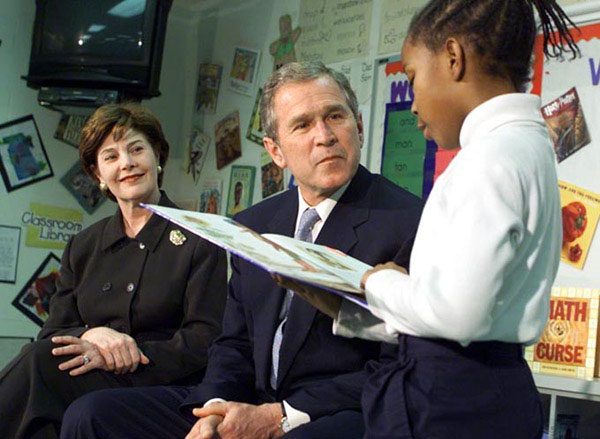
x: 177, y: 237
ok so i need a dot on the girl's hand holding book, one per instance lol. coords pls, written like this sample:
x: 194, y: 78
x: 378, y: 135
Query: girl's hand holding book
x: 379, y: 267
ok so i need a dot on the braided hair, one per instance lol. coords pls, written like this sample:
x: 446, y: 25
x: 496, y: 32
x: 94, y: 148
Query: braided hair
x: 501, y: 32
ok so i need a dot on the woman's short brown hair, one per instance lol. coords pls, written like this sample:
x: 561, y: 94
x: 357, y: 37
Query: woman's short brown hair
x: 119, y: 119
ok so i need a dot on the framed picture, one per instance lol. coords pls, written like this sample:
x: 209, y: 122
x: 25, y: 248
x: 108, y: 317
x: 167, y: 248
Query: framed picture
x: 244, y: 70
x: 23, y: 159
x: 10, y: 240
x: 83, y: 188
x: 34, y: 299
x: 228, y: 141
x: 241, y: 189
x: 255, y: 130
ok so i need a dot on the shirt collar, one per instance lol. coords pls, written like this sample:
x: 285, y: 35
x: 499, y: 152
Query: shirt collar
x: 324, y: 208
x: 150, y: 234
x: 499, y: 111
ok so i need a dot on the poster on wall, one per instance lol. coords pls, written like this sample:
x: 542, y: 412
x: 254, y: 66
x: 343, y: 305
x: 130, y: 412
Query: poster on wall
x: 83, y: 188
x: 282, y: 49
x: 408, y: 159
x: 69, y: 129
x: 241, y: 189
x: 23, y: 159
x: 207, y: 92
x: 391, y: 86
x: 334, y: 30
x: 244, y: 70
x: 359, y: 72
x: 394, y: 19
x: 197, y: 151
x: 228, y: 142
x: 580, y: 212
x: 210, y: 196
x: 10, y: 239
x: 271, y: 175
x: 50, y: 226
x: 34, y: 299
x: 255, y: 130
x: 566, y: 124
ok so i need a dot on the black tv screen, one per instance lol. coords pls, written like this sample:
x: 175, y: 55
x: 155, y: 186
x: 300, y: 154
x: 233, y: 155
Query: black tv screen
x: 99, y: 44
x: 106, y: 31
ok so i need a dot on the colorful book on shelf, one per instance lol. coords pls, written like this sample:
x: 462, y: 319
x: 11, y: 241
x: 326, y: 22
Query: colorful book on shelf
x: 304, y: 262
x: 568, y: 345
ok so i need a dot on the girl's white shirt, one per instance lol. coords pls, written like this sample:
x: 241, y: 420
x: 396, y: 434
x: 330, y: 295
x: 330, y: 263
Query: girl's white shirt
x: 488, y: 244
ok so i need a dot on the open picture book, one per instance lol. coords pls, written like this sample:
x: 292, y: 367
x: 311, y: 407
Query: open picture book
x: 304, y: 262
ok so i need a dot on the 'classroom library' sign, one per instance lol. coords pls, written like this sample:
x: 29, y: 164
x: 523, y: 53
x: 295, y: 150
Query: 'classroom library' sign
x: 50, y: 226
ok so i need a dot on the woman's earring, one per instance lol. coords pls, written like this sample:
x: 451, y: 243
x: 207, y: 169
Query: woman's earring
x: 159, y: 169
x: 103, y: 187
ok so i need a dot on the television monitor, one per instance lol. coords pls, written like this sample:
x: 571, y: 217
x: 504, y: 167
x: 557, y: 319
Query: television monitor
x: 99, y: 44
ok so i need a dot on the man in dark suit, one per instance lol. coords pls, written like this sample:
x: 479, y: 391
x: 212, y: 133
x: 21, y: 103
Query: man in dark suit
x: 277, y: 369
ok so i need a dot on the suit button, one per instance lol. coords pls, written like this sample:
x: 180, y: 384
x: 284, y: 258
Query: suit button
x: 107, y: 286
x: 130, y: 287
x: 142, y: 246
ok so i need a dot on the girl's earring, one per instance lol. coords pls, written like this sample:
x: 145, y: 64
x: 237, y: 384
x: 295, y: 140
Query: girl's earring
x: 159, y: 169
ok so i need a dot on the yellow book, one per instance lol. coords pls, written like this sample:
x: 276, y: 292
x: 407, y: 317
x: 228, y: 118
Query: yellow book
x: 568, y: 345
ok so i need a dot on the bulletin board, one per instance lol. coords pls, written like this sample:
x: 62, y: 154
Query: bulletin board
x: 570, y: 95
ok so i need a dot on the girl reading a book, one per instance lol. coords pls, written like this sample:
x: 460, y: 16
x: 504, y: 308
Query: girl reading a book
x: 488, y: 244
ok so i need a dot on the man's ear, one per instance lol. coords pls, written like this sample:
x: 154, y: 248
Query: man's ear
x: 454, y: 52
x: 274, y: 151
x: 361, y: 129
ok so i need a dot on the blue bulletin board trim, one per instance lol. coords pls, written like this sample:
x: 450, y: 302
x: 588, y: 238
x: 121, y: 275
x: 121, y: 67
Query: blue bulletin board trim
x: 430, y: 148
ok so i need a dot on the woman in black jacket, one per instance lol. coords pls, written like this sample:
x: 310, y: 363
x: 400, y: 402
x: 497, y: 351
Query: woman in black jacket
x: 138, y: 301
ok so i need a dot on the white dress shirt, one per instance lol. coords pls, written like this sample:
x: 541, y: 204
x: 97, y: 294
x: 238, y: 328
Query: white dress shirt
x: 488, y: 245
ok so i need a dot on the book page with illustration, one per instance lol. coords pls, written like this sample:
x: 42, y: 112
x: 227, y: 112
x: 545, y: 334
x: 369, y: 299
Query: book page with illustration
x: 313, y: 264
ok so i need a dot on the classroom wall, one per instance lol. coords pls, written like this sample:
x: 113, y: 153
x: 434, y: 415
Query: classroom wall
x: 16, y: 100
x: 254, y: 24
x: 173, y: 108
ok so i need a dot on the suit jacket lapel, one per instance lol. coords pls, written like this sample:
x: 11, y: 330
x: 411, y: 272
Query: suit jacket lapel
x: 338, y: 232
x: 270, y: 301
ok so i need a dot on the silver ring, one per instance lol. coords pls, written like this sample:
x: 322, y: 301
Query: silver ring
x: 86, y: 360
